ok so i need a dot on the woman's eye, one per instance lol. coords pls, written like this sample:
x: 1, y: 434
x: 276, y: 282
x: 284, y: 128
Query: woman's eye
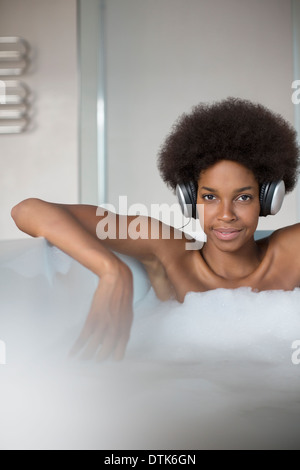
x: 208, y: 197
x: 242, y: 198
x: 245, y: 197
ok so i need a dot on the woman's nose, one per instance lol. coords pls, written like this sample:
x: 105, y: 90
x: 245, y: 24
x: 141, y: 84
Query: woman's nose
x: 226, y: 211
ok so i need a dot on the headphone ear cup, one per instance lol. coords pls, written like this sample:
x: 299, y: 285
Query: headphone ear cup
x: 187, y: 198
x: 194, y: 189
x: 262, y: 199
x: 271, y: 197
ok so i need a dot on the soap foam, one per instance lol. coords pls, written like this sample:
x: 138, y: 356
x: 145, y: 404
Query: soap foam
x: 214, y: 372
x: 235, y: 324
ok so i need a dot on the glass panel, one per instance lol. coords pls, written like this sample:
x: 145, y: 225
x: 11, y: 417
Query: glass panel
x: 92, y: 102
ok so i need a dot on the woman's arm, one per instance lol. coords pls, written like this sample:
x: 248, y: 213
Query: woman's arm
x: 61, y: 228
x: 138, y: 236
x: 110, y: 317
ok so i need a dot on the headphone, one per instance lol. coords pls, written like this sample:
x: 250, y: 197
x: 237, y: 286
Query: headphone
x: 271, y: 197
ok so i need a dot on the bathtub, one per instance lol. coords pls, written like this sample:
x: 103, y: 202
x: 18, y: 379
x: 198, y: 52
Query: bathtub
x: 218, y: 372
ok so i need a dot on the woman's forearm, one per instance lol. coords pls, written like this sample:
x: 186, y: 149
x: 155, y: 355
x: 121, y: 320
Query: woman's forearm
x: 53, y: 222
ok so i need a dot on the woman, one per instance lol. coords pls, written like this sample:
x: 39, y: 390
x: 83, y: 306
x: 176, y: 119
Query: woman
x: 226, y: 152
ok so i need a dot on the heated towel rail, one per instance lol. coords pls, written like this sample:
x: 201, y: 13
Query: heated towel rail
x: 14, y: 93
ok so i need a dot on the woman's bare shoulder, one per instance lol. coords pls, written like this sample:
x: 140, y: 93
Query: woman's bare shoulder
x: 289, y: 233
x: 287, y: 239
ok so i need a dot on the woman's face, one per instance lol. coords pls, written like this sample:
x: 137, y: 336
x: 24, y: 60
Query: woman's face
x: 229, y: 193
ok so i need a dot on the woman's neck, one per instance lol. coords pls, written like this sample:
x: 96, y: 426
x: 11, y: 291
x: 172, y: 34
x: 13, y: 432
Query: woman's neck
x: 232, y: 265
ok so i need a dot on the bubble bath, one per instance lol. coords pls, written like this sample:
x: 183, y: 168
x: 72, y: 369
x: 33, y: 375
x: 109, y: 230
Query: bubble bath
x: 219, y: 371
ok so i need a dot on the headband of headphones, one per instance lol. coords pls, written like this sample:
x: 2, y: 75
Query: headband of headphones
x: 271, y: 197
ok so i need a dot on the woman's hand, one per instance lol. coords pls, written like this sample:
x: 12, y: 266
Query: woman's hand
x: 107, y: 328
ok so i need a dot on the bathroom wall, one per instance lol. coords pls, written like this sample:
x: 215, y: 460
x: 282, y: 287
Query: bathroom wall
x: 43, y: 162
x: 164, y: 56
x: 161, y: 57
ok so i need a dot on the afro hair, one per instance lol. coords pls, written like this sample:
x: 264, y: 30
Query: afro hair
x: 232, y: 129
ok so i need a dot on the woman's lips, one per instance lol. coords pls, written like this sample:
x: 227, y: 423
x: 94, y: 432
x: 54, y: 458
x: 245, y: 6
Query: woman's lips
x: 226, y: 234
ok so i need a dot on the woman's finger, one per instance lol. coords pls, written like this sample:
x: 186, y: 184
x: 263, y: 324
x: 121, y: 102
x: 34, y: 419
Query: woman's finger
x: 120, y: 348
x: 82, y: 339
x: 108, y: 345
x: 124, y: 333
x: 91, y: 323
x: 93, y: 344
